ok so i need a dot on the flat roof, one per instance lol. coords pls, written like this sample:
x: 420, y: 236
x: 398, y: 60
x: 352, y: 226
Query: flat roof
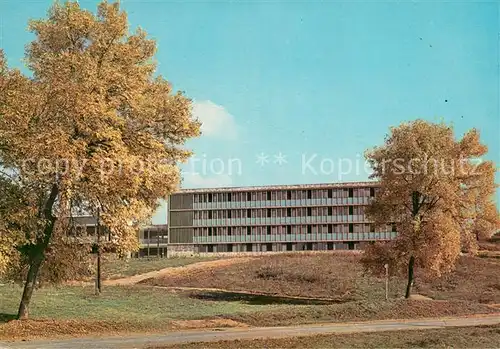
x: 280, y: 187
x: 155, y: 227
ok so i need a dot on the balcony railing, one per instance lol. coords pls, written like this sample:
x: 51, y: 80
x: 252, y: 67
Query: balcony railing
x: 363, y: 200
x: 153, y: 241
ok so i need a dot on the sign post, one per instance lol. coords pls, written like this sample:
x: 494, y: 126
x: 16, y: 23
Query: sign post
x: 386, y: 266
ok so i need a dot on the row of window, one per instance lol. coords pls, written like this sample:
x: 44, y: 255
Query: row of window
x: 291, y: 229
x: 285, y: 195
x: 281, y: 212
x: 308, y: 246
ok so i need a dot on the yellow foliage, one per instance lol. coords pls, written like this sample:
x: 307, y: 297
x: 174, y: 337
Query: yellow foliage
x: 94, y: 124
x: 435, y: 191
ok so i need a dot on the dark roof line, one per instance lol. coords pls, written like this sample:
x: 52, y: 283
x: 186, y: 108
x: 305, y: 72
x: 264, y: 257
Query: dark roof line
x: 281, y: 187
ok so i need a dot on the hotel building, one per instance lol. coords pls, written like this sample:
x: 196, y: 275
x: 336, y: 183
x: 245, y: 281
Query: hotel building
x: 272, y: 218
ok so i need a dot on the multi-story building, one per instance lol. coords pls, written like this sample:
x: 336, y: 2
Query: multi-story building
x: 273, y: 218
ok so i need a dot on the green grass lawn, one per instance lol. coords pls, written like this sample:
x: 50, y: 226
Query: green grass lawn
x: 137, y: 303
x: 466, y: 337
x: 113, y: 268
x: 76, y: 311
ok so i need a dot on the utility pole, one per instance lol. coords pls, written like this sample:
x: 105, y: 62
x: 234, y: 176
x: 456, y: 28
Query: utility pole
x: 386, y: 266
x: 98, y: 276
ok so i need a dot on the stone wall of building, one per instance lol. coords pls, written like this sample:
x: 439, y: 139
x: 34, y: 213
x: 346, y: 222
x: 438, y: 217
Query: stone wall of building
x: 181, y: 250
x: 250, y: 254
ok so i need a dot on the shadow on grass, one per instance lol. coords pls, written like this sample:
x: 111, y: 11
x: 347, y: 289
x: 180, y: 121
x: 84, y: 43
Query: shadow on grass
x: 6, y: 317
x: 257, y: 299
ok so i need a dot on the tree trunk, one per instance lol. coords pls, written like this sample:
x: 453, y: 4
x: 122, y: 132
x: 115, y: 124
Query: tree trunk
x: 411, y: 263
x: 416, y: 204
x: 38, y: 254
x: 29, y: 286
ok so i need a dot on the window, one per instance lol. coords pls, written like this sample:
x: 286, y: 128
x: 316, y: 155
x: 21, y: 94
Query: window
x: 210, y: 231
x: 210, y: 197
x: 249, y: 213
x: 351, y: 228
x: 289, y: 246
x: 309, y: 211
x: 372, y: 227
x: 210, y: 248
x: 329, y: 246
x: 309, y: 246
x: 372, y: 192
x: 309, y: 229
x: 289, y: 195
x: 249, y: 247
x: 268, y: 230
x: 249, y: 196
x: 229, y: 197
x: 229, y: 248
x: 229, y: 231
x: 289, y: 212
x: 330, y: 228
x: 268, y: 195
x: 330, y: 193
x: 249, y: 231
x: 269, y: 247
x: 393, y: 227
x: 309, y: 194
x: 229, y: 214
x: 351, y: 192
x: 330, y: 211
x: 351, y: 210
x: 209, y: 214
x: 288, y: 229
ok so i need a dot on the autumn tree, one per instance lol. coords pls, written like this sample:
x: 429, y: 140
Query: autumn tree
x: 437, y: 191
x: 92, y: 124
x: 17, y: 216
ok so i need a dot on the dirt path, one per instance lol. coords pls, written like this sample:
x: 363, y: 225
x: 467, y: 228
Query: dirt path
x: 171, y: 271
x: 172, y: 338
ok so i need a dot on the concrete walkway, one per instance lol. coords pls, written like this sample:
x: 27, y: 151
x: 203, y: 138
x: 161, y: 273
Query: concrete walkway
x: 141, y: 341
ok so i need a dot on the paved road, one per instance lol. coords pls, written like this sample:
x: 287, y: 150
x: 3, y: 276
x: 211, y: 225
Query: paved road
x: 141, y: 341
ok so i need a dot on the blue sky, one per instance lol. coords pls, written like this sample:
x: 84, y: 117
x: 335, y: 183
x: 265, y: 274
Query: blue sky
x: 316, y: 82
